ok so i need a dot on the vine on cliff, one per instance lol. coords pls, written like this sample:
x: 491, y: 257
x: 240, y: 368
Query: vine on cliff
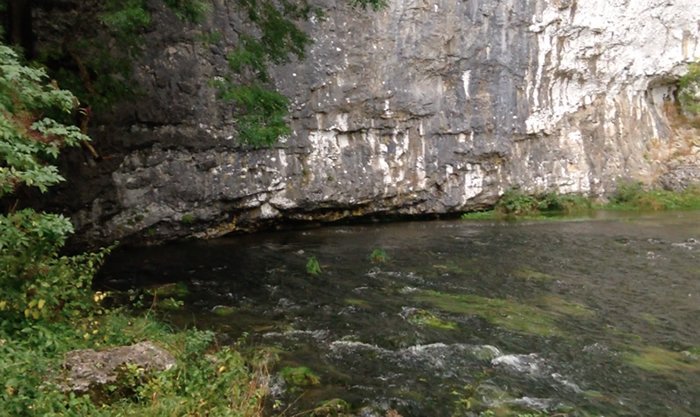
x: 93, y: 54
x: 689, y: 91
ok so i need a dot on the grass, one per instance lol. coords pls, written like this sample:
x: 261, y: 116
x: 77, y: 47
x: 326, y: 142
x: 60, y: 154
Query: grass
x: 633, y: 196
x: 628, y: 196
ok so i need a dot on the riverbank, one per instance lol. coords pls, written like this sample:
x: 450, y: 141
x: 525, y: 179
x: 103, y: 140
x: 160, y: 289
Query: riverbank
x: 207, y: 379
x: 629, y: 196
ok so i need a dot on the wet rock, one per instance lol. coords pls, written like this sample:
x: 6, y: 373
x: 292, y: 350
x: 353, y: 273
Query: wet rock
x: 332, y: 408
x: 90, y: 371
x: 300, y: 376
x: 221, y: 310
x: 530, y: 364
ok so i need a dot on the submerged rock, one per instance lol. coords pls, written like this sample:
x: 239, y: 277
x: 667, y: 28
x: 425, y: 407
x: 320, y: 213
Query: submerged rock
x: 89, y: 371
x: 332, y: 408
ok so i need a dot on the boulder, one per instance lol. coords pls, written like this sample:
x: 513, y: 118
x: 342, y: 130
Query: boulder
x: 89, y: 371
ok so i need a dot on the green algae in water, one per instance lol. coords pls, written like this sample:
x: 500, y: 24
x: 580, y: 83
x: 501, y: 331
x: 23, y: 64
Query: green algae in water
x: 529, y: 274
x: 173, y: 289
x: 560, y: 306
x: 356, y: 302
x: 300, y: 376
x: 223, y: 311
x: 500, y: 312
x: 451, y: 267
x: 659, y: 360
x: 379, y: 256
x: 425, y: 318
x: 332, y: 407
x: 539, y: 319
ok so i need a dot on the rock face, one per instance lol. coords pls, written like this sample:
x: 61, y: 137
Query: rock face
x: 423, y: 107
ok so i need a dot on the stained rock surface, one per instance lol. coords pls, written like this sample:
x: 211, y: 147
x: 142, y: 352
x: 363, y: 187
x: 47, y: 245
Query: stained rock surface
x: 424, y: 107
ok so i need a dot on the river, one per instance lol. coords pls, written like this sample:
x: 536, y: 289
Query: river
x: 585, y: 317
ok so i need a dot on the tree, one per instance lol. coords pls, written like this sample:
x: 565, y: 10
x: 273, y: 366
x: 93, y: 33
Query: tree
x: 36, y: 281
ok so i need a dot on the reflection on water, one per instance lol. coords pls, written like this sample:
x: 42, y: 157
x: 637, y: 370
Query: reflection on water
x: 587, y: 317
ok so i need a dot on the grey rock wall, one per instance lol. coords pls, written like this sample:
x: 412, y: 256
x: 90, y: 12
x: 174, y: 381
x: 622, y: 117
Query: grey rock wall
x: 425, y: 107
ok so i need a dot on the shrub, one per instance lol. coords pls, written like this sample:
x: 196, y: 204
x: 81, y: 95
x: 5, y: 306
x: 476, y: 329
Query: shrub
x: 515, y: 203
x: 38, y: 283
x: 633, y: 196
x: 627, y: 192
x: 563, y: 203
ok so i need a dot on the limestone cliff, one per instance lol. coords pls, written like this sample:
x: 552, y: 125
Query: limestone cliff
x: 423, y: 107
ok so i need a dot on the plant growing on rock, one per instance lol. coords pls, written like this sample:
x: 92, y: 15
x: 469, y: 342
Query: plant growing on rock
x: 378, y: 256
x: 689, y: 91
x: 313, y: 267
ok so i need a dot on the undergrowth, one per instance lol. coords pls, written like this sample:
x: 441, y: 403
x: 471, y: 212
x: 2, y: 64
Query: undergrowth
x: 48, y: 307
x: 633, y: 196
x: 205, y: 381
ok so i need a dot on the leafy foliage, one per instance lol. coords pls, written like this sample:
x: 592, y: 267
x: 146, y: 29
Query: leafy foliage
x: 513, y: 202
x: 37, y: 283
x: 94, y: 54
x: 262, y: 110
x: 47, y: 306
x: 28, y: 139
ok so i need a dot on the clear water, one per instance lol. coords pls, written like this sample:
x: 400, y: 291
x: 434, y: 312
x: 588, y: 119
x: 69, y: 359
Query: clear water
x: 596, y: 317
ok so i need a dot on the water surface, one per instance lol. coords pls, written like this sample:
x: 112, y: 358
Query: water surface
x: 582, y: 318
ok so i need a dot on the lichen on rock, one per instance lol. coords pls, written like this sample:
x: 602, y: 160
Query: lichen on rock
x: 92, y: 372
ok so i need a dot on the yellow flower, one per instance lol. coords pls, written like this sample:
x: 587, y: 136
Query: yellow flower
x: 99, y: 296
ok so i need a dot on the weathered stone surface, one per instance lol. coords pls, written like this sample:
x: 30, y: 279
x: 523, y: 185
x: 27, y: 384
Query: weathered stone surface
x: 88, y: 370
x: 424, y: 107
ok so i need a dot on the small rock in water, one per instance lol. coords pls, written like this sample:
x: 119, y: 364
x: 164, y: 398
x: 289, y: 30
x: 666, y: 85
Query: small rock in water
x: 540, y: 404
x: 530, y: 364
x: 221, y: 310
x: 486, y: 352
